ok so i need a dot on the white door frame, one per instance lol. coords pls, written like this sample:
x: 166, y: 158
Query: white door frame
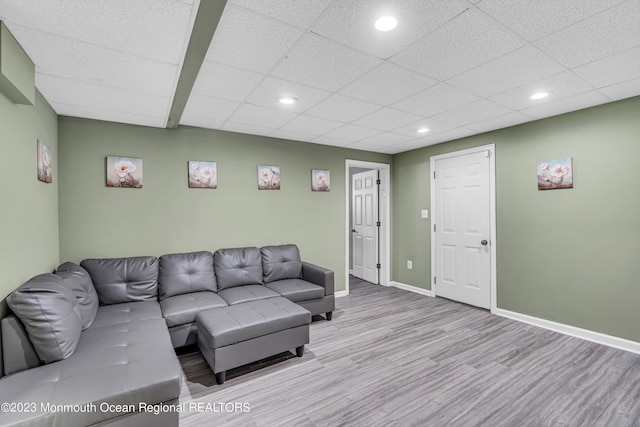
x: 492, y: 202
x: 384, y: 203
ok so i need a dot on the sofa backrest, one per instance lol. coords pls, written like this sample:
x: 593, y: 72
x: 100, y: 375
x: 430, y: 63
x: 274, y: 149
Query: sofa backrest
x: 281, y: 262
x: 119, y: 280
x: 50, y: 314
x: 185, y: 273
x: 81, y: 285
x: 237, y: 267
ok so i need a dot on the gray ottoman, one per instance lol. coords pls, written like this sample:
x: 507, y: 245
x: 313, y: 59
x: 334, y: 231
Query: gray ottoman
x: 233, y: 336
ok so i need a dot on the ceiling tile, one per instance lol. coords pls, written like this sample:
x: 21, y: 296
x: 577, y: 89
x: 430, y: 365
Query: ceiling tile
x: 351, y: 22
x: 607, y: 33
x: 536, y: 19
x: 433, y: 125
x: 249, y: 40
x: 271, y: 90
x: 622, y: 90
x: 391, y: 150
x: 387, y: 84
x: 336, y: 142
x: 514, y: 69
x: 319, y: 62
x: 313, y: 125
x: 387, y: 138
x: 261, y: 116
x: 413, y: 145
x: 463, y: 43
x: 201, y: 122
x: 450, y: 135
x: 510, y: 119
x: 246, y: 128
x: 89, y: 95
x: 222, y: 81
x: 386, y: 119
x: 559, y: 86
x: 434, y: 100
x: 213, y: 108
x: 566, y: 105
x: 471, y: 113
x: 154, y: 29
x: 342, y: 108
x: 109, y: 116
x: 296, y: 12
x: 365, y: 147
x: 352, y: 133
x: 613, y: 69
x: 73, y: 59
x: 294, y: 136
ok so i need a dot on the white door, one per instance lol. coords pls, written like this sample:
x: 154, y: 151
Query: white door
x: 463, y: 228
x: 364, y: 197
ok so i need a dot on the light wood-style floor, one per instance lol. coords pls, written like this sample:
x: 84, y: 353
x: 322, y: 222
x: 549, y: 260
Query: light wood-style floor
x: 394, y: 358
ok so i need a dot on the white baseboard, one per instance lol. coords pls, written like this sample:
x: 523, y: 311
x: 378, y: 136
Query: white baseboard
x: 341, y: 294
x: 585, y: 334
x: 411, y: 288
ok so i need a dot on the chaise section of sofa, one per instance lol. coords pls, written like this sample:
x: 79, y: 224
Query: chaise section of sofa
x: 121, y: 361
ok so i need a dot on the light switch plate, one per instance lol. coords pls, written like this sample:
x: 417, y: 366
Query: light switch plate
x: 424, y: 213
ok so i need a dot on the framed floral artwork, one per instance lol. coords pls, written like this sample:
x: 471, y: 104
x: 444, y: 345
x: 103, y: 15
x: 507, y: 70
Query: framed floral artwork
x: 203, y: 174
x: 320, y: 180
x: 124, y: 172
x: 45, y: 171
x: 268, y: 177
x: 557, y: 173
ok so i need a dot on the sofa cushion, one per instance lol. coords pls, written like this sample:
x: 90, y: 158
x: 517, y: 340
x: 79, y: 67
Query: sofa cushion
x: 186, y: 272
x: 119, y: 280
x: 50, y: 314
x: 182, y: 309
x: 114, y: 314
x: 123, y: 364
x: 237, y: 267
x: 79, y: 281
x: 296, y: 289
x: 246, y: 293
x: 281, y: 262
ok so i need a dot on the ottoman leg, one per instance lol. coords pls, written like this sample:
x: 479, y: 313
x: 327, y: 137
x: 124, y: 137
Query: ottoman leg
x: 220, y: 377
x: 329, y: 315
x: 300, y: 351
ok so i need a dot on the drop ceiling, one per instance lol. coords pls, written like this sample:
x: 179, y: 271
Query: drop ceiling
x: 457, y: 67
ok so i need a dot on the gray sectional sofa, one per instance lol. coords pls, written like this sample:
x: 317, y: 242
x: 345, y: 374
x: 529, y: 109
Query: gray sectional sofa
x: 94, y: 344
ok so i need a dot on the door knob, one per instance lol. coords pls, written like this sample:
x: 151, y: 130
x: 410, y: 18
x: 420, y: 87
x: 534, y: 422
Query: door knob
x: 353, y: 230
x: 484, y: 242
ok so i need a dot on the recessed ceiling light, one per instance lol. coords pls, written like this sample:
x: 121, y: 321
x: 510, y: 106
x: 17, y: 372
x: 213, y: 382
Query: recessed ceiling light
x: 386, y: 23
x: 539, y: 95
x: 422, y: 130
x: 288, y: 100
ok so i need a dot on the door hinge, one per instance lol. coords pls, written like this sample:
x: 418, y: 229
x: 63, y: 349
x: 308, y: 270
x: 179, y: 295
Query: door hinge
x: 488, y: 153
x: 434, y: 228
x: 434, y: 280
x: 378, y: 224
x: 378, y: 266
x: 434, y: 174
x: 378, y: 181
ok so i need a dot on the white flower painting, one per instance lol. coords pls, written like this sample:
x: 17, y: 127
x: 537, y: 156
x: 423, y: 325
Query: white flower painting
x: 320, y: 180
x: 203, y: 174
x: 556, y: 173
x: 45, y: 172
x: 268, y: 177
x: 125, y: 172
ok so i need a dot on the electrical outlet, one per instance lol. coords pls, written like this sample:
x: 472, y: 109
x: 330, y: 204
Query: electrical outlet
x: 409, y: 264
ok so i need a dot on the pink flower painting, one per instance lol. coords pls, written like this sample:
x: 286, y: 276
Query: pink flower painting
x: 203, y: 174
x: 553, y: 174
x: 124, y: 172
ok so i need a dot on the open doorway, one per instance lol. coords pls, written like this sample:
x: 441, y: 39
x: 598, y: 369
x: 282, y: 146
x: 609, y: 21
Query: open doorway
x: 380, y: 175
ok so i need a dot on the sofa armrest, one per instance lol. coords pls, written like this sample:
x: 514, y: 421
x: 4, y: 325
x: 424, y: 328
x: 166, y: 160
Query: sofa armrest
x: 319, y: 276
x: 18, y: 352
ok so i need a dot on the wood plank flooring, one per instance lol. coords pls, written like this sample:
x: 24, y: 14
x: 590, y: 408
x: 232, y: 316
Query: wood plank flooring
x: 394, y: 358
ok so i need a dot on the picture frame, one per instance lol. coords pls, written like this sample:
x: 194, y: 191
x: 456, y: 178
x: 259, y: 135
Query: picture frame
x: 203, y: 174
x: 44, y: 162
x: 124, y: 172
x: 268, y: 177
x: 555, y: 174
x: 320, y: 180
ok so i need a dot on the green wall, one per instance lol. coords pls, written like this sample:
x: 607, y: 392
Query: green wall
x: 29, y: 213
x: 569, y: 256
x: 166, y: 216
